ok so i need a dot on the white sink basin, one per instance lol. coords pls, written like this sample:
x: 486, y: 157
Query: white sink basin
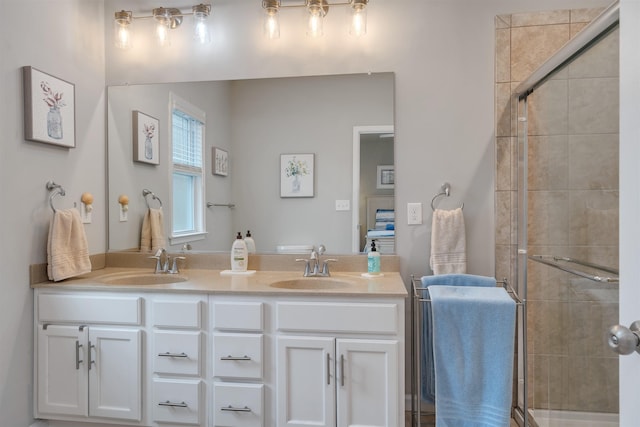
x: 142, y: 279
x: 311, y: 283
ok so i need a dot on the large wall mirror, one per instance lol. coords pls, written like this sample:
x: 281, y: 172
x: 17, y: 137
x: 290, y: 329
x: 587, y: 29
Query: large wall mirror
x: 255, y: 122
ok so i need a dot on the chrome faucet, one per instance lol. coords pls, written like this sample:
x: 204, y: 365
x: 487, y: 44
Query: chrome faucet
x: 312, y: 265
x: 163, y: 261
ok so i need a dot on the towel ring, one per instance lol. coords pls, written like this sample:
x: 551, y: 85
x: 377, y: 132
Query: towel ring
x: 146, y: 193
x: 55, y: 189
x: 445, y: 190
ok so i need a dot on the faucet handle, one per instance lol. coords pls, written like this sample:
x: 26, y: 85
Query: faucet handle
x: 325, y: 266
x: 158, y: 263
x: 174, y: 266
x: 307, y: 269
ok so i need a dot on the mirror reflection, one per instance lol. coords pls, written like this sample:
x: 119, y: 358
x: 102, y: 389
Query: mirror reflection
x: 257, y: 126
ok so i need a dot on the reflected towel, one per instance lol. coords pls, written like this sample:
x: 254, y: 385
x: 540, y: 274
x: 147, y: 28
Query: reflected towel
x: 152, y: 233
x: 448, y: 245
x: 427, y: 373
x: 474, y: 330
x: 67, y: 249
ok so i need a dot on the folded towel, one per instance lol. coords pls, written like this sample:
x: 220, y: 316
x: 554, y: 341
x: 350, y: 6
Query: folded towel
x: 152, y: 233
x: 67, y: 249
x: 474, y: 330
x: 427, y: 373
x: 448, y: 246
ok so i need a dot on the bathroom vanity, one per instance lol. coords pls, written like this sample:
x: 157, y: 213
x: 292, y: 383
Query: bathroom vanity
x: 268, y: 349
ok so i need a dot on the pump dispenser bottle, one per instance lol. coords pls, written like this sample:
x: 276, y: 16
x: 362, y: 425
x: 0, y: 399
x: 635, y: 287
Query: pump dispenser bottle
x: 251, y: 244
x: 239, y: 255
x: 373, y: 260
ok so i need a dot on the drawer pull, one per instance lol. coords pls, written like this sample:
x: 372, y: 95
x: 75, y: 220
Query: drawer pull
x: 233, y: 409
x: 245, y: 357
x: 78, y: 360
x: 167, y: 354
x: 173, y: 404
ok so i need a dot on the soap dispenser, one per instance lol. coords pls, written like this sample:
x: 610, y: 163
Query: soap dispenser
x: 373, y: 260
x: 239, y: 255
x: 251, y: 244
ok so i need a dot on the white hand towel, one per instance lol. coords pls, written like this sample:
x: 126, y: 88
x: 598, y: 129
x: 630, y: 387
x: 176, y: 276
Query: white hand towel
x: 152, y: 234
x: 448, y: 244
x: 67, y: 249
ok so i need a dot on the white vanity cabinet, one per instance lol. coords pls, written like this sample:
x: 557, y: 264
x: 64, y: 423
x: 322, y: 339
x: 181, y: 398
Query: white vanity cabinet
x: 238, y: 363
x: 178, y: 353
x: 89, y: 357
x: 328, y: 374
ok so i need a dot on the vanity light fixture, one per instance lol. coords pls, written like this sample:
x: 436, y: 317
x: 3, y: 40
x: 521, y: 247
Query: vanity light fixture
x: 317, y: 10
x: 166, y: 19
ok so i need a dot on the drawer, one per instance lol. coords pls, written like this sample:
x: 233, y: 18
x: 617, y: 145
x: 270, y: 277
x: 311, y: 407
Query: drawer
x: 94, y: 309
x: 237, y: 356
x: 337, y: 317
x: 177, y: 314
x: 238, y: 316
x: 177, y: 401
x: 238, y: 405
x: 177, y: 352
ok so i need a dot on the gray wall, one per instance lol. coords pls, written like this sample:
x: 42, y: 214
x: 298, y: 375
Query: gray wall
x: 441, y: 53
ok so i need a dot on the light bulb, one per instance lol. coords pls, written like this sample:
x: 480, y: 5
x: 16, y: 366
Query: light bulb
x: 358, y: 19
x: 121, y: 30
x: 316, y: 18
x: 200, y: 28
x: 162, y: 34
x: 271, y: 24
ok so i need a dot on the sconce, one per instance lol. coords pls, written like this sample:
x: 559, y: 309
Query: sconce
x: 166, y: 19
x: 317, y: 10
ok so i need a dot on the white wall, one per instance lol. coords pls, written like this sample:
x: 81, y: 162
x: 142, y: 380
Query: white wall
x: 63, y: 38
x: 441, y: 52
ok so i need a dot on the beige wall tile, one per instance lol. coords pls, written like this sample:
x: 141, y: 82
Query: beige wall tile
x: 503, y: 21
x: 593, y: 106
x: 548, y: 222
x: 576, y: 28
x: 531, y: 46
x: 503, y: 109
x: 503, y: 55
x: 601, y: 60
x: 503, y: 217
x: 594, y: 218
x: 548, y: 157
x: 584, y: 15
x: 547, y: 109
x: 584, y: 373
x: 503, y: 163
x: 593, y: 162
x: 541, y: 18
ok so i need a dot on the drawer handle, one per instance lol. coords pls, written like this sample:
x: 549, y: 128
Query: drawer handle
x: 233, y: 409
x: 167, y: 354
x: 173, y: 404
x: 245, y: 357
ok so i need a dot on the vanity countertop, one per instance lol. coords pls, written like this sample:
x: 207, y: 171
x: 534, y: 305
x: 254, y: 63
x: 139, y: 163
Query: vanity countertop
x: 259, y: 283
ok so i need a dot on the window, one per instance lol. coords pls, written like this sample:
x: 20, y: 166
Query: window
x: 187, y: 142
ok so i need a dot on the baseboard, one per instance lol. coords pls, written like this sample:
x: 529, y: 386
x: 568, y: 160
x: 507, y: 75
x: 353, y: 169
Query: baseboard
x: 40, y: 423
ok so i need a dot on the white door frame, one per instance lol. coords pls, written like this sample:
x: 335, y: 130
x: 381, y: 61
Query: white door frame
x: 355, y: 195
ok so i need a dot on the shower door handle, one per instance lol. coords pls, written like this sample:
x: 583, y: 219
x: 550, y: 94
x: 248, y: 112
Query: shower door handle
x: 623, y: 340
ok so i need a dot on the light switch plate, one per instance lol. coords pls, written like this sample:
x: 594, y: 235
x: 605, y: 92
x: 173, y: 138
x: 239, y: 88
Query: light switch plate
x: 414, y: 213
x: 343, y: 205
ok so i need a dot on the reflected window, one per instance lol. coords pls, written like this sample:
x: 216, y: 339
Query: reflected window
x: 187, y: 141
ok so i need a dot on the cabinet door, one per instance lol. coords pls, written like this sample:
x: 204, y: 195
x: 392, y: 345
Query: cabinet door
x: 62, y: 372
x: 305, y: 381
x: 367, y: 383
x: 115, y: 373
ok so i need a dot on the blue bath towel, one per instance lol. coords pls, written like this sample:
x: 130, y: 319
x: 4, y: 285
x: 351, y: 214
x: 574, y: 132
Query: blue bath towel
x: 427, y: 376
x: 473, y: 332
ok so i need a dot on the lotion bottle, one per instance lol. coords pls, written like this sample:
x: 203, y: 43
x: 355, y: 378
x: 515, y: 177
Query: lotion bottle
x: 251, y: 244
x: 373, y: 260
x: 239, y: 255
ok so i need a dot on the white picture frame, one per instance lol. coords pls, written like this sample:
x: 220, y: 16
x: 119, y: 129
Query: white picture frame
x: 297, y: 175
x: 385, y: 177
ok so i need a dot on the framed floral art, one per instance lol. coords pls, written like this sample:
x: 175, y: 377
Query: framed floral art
x: 297, y: 175
x: 49, y: 108
x: 146, y: 146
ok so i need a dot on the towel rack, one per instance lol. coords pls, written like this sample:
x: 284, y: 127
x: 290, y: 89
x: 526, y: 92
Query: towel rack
x: 445, y: 190
x: 55, y: 189
x: 555, y: 261
x: 146, y: 193
x: 416, y: 330
x: 228, y: 205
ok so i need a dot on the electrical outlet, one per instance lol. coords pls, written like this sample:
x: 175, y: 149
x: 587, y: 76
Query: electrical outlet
x: 414, y: 213
x: 343, y: 205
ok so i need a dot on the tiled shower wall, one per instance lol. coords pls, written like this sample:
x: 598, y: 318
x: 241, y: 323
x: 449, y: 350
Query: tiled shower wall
x: 568, y: 368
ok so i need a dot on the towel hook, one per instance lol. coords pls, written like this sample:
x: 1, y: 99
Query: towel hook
x: 146, y: 193
x: 55, y: 189
x: 445, y: 190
